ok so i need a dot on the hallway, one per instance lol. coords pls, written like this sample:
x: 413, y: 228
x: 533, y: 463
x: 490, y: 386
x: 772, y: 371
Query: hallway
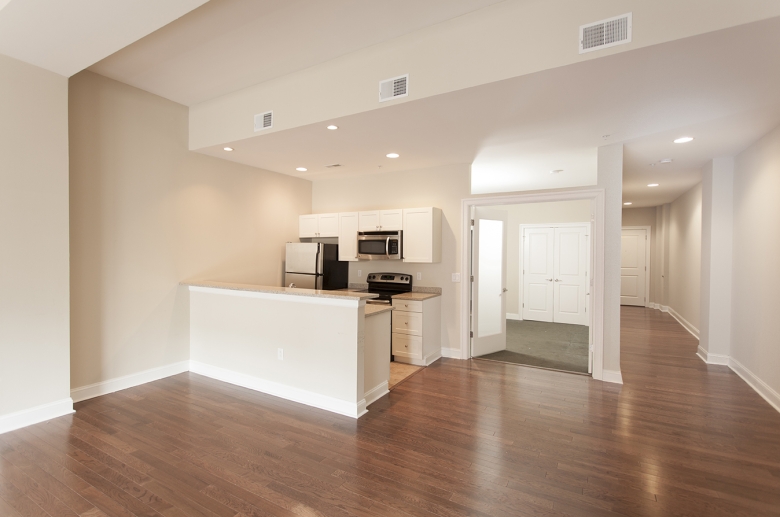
x: 475, y: 438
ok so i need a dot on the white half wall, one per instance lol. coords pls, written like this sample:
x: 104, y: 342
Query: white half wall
x: 34, y: 274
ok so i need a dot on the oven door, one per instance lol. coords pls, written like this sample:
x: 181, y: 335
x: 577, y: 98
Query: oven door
x: 379, y: 247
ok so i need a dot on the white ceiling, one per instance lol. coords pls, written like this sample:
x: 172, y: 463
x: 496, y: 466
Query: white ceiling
x: 227, y: 45
x: 719, y: 87
x: 68, y: 36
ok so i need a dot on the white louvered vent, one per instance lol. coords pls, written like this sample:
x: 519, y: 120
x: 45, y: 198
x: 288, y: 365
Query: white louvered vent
x: 394, y: 88
x: 264, y: 120
x: 606, y: 33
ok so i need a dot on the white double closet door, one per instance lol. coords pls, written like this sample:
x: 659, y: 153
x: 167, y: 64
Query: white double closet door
x: 555, y: 274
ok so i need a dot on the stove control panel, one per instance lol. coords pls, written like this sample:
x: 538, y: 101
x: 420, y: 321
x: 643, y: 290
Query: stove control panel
x: 390, y: 278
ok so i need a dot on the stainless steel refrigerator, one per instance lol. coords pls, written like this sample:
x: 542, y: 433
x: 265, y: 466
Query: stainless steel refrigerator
x: 315, y: 265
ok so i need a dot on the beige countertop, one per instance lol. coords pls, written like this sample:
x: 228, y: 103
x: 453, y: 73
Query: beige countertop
x: 415, y: 296
x: 372, y: 309
x: 315, y: 293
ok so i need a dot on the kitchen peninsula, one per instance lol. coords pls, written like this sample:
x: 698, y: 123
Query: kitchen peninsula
x: 326, y: 349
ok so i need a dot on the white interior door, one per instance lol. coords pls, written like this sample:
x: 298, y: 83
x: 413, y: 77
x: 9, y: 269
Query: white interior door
x: 538, y: 274
x: 633, y: 267
x: 489, y: 267
x: 570, y: 272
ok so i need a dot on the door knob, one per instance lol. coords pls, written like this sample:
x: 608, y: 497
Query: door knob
x: 549, y: 279
x: 557, y: 280
x: 504, y: 290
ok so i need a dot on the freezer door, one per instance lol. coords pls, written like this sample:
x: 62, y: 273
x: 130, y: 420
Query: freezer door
x: 303, y: 257
x: 303, y: 281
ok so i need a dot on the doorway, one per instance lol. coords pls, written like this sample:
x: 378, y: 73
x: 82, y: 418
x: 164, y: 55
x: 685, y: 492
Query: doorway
x: 635, y: 266
x: 531, y: 284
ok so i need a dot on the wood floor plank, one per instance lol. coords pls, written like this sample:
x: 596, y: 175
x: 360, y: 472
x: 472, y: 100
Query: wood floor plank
x: 459, y: 438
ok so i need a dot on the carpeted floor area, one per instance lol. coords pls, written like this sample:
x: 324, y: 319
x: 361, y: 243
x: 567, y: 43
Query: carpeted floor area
x: 548, y: 345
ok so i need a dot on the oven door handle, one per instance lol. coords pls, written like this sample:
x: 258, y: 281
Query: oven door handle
x: 387, y: 247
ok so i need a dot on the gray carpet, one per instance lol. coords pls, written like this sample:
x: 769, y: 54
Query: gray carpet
x: 548, y: 345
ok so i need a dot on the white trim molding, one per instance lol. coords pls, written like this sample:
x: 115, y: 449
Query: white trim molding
x: 309, y: 398
x: 612, y: 376
x: 759, y: 386
x: 128, y: 381
x: 376, y: 393
x: 513, y: 316
x: 451, y: 353
x: 712, y: 358
x: 685, y: 323
x: 35, y: 415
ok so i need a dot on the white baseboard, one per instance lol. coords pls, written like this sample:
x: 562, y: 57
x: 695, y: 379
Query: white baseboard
x: 759, y: 386
x: 35, y: 415
x: 612, y: 376
x: 682, y: 321
x: 712, y: 358
x: 128, y: 381
x: 452, y: 353
x: 513, y: 316
x: 309, y: 398
x: 376, y: 393
x: 432, y: 358
x: 659, y: 307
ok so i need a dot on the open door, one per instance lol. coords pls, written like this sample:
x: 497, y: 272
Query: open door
x: 488, y: 291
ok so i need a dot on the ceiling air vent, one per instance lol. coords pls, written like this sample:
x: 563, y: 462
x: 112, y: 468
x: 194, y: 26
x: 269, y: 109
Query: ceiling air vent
x: 606, y: 33
x: 394, y: 88
x: 264, y: 120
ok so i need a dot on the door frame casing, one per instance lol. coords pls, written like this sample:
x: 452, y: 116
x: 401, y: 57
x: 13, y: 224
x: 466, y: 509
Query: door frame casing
x: 520, y: 274
x: 649, y: 240
x: 597, y: 199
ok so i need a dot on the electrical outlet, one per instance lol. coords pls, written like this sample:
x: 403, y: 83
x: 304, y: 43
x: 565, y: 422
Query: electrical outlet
x: 280, y: 354
x: 456, y: 277
x: 419, y: 276
x: 360, y: 272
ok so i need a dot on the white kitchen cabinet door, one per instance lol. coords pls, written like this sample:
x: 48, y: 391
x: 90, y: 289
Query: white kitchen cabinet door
x: 369, y: 221
x: 422, y: 235
x: 307, y: 226
x: 391, y: 220
x: 328, y: 225
x: 348, y: 228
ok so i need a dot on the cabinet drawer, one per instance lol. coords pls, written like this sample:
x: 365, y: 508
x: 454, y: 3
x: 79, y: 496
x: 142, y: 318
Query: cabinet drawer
x: 404, y: 344
x: 407, y: 305
x: 407, y: 322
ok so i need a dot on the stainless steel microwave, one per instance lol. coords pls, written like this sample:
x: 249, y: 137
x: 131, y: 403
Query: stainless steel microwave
x: 380, y: 245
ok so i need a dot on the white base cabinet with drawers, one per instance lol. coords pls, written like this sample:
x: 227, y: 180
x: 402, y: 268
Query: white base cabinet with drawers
x: 417, y: 331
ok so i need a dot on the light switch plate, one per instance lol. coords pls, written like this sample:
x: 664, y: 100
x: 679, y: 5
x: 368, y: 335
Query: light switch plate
x: 360, y: 272
x: 456, y: 277
x: 419, y: 276
x: 280, y: 354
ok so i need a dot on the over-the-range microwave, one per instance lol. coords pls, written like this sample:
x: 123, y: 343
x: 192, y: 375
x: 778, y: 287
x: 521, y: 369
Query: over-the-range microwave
x: 380, y: 245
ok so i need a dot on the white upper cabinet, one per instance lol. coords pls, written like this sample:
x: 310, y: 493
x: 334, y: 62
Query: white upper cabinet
x: 422, y: 235
x: 369, y: 221
x: 307, y: 226
x: 318, y: 225
x: 348, y: 229
x: 381, y: 221
x: 328, y: 224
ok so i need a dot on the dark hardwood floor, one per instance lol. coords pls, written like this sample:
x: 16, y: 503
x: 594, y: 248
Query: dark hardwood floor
x: 472, y: 438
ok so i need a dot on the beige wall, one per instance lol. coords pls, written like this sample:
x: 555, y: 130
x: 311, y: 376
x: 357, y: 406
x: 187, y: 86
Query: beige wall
x: 647, y: 217
x: 34, y: 321
x: 755, y: 307
x: 534, y: 213
x: 146, y: 214
x: 685, y: 256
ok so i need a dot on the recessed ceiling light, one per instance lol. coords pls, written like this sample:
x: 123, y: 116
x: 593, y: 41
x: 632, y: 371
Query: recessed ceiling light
x: 301, y: 169
x: 393, y: 155
x: 683, y: 140
x: 332, y: 127
x: 228, y: 148
x: 628, y: 203
x: 666, y: 160
x: 556, y: 171
x: 652, y: 185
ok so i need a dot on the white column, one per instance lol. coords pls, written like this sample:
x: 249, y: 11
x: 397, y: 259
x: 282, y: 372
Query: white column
x: 717, y: 221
